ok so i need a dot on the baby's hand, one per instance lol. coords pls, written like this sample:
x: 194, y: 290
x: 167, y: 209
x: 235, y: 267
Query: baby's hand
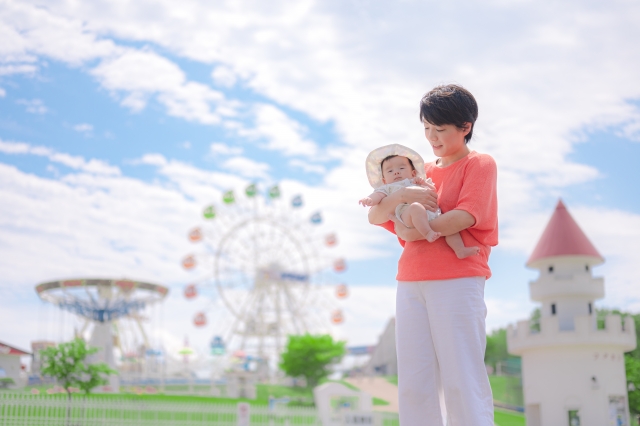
x: 419, y: 181
x: 366, y: 202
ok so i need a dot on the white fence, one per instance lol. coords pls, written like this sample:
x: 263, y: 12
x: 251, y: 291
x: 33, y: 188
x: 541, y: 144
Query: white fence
x: 37, y: 410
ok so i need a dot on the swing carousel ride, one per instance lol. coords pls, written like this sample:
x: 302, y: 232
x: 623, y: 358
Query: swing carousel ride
x: 111, y: 310
x: 269, y: 264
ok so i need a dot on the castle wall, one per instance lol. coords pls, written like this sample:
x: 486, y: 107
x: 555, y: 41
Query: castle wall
x: 558, y: 380
x: 521, y: 339
x: 581, y: 370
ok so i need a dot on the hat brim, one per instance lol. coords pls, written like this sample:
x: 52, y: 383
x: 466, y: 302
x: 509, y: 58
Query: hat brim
x: 375, y: 157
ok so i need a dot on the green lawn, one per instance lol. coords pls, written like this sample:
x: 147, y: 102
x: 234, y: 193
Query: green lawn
x: 376, y: 401
x: 301, y: 397
x: 304, y: 397
x: 508, y: 418
x: 499, y: 388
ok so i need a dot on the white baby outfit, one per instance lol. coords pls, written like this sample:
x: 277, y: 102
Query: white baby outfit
x: 392, y: 187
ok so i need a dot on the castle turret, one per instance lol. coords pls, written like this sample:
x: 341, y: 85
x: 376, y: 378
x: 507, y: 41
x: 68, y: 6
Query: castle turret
x: 573, y: 372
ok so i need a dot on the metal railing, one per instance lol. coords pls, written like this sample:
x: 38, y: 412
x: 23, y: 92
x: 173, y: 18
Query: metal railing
x: 57, y: 410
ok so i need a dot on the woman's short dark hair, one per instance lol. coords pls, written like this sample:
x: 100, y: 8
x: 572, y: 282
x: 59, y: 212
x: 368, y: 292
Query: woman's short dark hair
x: 449, y: 104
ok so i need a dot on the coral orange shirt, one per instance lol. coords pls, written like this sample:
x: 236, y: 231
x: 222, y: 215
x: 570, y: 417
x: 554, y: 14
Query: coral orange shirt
x: 469, y: 184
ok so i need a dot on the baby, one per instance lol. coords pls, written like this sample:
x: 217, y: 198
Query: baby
x: 392, y: 167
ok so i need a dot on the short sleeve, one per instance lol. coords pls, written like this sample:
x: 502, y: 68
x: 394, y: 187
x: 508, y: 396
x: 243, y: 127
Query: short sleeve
x: 478, y: 195
x: 389, y: 226
x: 382, y: 189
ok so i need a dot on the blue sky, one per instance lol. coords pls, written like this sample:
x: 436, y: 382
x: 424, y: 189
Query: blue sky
x: 117, y: 125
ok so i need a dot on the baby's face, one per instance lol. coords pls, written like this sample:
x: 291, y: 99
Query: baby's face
x: 396, y: 169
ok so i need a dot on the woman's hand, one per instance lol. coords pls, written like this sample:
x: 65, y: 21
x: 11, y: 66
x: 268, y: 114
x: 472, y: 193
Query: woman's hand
x: 447, y: 224
x: 414, y: 194
x: 427, y: 196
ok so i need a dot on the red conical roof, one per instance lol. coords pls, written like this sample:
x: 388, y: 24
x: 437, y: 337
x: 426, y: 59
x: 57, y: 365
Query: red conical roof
x: 563, y: 237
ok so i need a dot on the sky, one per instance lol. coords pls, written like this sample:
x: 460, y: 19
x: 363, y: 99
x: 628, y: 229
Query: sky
x: 120, y: 121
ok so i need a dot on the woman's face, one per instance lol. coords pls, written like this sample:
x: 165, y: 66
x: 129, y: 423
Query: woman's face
x: 447, y: 141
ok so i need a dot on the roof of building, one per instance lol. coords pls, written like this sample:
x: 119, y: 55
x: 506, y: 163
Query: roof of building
x: 563, y: 237
x: 10, y: 350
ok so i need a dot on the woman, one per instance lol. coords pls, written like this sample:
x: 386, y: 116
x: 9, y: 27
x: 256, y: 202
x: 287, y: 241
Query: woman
x: 440, y: 310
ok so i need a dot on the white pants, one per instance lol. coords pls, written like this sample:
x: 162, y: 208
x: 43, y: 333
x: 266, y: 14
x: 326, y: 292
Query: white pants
x: 440, y: 340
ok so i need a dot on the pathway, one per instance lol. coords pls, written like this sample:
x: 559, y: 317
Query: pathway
x: 380, y: 388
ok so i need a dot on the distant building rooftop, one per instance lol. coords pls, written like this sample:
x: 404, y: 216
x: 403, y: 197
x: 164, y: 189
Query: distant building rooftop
x: 563, y: 237
x: 10, y: 350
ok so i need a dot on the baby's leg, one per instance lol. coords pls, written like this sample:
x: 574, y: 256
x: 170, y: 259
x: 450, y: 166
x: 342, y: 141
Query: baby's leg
x: 455, y: 242
x: 416, y: 216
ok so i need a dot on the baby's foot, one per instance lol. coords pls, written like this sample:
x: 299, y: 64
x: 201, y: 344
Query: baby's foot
x: 467, y: 251
x: 432, y: 236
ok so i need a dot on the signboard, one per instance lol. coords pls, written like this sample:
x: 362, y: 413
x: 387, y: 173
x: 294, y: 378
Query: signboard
x: 618, y: 411
x: 574, y: 418
x: 338, y: 405
x: 244, y: 414
x: 358, y: 419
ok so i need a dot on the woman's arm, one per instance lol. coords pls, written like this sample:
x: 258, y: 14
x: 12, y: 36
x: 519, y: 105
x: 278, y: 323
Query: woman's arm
x: 447, y: 224
x: 427, y: 197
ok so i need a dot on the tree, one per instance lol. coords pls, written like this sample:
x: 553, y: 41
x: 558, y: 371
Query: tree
x: 496, y: 348
x: 310, y: 356
x: 631, y: 359
x: 66, y: 363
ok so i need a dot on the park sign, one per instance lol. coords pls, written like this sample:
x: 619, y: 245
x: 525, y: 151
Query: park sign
x: 338, y: 405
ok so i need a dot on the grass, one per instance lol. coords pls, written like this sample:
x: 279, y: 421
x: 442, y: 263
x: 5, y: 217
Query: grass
x: 375, y: 401
x: 304, y: 397
x: 508, y: 418
x: 499, y: 388
x: 300, y: 397
x: 141, y: 412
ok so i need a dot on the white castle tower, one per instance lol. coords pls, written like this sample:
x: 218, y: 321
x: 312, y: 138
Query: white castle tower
x: 572, y: 373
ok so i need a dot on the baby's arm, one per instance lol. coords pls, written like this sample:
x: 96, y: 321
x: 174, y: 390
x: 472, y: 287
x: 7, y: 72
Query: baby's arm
x: 372, y: 199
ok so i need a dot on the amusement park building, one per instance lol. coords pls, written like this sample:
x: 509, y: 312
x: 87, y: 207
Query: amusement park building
x: 384, y: 361
x: 11, y: 370
x: 573, y: 373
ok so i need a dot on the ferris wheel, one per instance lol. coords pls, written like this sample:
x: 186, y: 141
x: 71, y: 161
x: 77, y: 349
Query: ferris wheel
x: 270, y: 264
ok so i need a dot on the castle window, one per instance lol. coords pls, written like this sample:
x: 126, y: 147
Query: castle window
x: 550, y: 269
x: 590, y: 309
x: 553, y: 309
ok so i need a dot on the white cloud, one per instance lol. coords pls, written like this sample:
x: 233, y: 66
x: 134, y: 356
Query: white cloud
x: 74, y: 162
x: 307, y: 167
x: 224, y: 149
x: 27, y: 31
x: 141, y: 74
x: 34, y: 106
x: 223, y: 76
x: 540, y: 79
x: 153, y: 159
x: 201, y: 185
x: 280, y: 132
x: 247, y: 167
x: 83, y: 128
x: 3, y: 92
x: 17, y: 69
x: 631, y: 129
